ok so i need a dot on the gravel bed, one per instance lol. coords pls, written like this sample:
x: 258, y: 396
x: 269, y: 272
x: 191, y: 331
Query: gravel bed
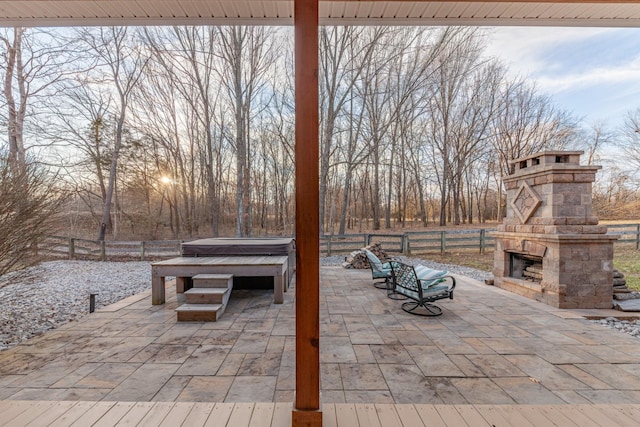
x: 51, y: 294
x: 629, y: 327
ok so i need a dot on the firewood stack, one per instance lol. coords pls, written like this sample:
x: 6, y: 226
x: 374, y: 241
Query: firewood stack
x: 357, y: 259
x: 533, y: 272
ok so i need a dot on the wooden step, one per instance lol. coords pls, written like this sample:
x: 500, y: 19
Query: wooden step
x: 213, y: 281
x: 199, y: 312
x: 207, y: 296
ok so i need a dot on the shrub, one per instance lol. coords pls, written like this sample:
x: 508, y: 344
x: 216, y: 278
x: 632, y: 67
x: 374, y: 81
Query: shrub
x: 30, y: 198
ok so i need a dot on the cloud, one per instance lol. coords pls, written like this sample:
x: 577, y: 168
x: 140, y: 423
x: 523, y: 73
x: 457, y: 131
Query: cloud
x: 526, y: 50
x: 593, y: 72
x: 624, y: 73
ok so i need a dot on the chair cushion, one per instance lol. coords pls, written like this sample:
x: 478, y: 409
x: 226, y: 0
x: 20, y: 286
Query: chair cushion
x: 428, y: 276
x: 374, y: 261
x: 434, y: 290
x: 381, y: 274
x: 427, y: 292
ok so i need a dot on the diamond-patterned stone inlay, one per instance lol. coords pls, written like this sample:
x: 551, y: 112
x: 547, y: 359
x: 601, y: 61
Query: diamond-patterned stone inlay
x: 526, y: 202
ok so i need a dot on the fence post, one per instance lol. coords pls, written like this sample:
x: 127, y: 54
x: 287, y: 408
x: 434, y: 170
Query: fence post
x: 637, y: 236
x: 329, y: 246
x: 141, y: 251
x: 443, y: 242
x: 482, y: 243
x: 367, y: 240
x: 103, y: 251
x: 72, y: 248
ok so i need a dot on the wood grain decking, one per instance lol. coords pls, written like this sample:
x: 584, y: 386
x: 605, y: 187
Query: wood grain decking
x: 105, y: 414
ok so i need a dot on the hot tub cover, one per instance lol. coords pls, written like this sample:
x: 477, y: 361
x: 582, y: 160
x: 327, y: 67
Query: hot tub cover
x: 222, y: 246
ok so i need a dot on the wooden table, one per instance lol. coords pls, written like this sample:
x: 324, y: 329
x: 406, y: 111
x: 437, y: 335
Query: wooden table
x: 240, y: 266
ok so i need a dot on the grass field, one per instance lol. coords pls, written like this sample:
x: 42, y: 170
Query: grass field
x: 626, y: 259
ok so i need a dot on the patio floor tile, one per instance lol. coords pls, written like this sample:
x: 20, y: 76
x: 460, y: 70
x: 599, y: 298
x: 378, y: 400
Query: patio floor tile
x: 488, y: 347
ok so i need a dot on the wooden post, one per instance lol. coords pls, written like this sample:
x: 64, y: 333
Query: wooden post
x: 638, y: 236
x: 482, y: 243
x: 306, y: 410
x: 72, y: 248
x: 141, y: 251
x: 443, y: 242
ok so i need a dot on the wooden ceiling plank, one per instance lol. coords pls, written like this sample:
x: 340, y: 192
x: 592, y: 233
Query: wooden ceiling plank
x: 473, y: 10
x: 285, y: 10
x: 350, y: 10
x: 193, y: 10
x: 270, y: 9
x: 213, y: 9
x: 405, y: 10
x: 431, y: 10
x: 511, y: 10
x: 391, y: 9
x: 456, y: 10
x: 620, y: 13
x: 378, y: 9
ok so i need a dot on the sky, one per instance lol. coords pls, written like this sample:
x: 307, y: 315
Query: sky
x: 592, y: 72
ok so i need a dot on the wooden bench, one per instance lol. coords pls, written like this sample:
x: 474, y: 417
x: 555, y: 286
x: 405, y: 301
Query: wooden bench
x: 239, y: 266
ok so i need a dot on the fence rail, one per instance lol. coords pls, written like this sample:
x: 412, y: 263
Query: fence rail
x: 441, y: 241
x: 74, y: 248
x: 411, y: 242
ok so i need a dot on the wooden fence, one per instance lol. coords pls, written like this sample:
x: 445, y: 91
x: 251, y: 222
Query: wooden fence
x: 412, y: 242
x: 73, y: 248
x: 441, y: 241
x: 409, y: 243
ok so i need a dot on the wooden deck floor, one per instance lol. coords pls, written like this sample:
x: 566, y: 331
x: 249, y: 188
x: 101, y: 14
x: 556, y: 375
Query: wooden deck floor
x: 104, y: 414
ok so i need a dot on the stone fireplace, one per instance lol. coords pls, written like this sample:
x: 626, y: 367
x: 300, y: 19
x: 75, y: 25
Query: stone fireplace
x: 550, y: 247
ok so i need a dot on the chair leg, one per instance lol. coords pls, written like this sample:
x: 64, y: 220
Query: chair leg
x: 381, y: 285
x: 412, y: 307
x: 392, y: 294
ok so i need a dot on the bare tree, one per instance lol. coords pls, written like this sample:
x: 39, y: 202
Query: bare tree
x: 630, y: 142
x: 246, y: 55
x: 34, y: 61
x: 527, y: 123
x: 344, y: 52
x: 121, y: 63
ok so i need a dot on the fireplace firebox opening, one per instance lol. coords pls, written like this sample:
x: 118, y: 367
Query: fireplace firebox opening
x: 525, y: 267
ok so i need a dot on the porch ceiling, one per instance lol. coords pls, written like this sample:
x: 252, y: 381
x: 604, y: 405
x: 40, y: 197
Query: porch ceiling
x: 616, y: 13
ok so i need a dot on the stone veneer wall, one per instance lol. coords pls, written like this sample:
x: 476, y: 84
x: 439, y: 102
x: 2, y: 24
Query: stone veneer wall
x: 549, y: 216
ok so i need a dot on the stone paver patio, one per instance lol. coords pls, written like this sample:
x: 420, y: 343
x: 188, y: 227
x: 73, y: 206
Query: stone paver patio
x: 489, y: 347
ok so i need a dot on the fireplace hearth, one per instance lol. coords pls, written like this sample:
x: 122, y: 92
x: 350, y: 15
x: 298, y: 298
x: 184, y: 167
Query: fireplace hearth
x: 550, y: 246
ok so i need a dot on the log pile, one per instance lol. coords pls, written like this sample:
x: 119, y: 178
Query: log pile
x: 533, y: 272
x: 358, y: 259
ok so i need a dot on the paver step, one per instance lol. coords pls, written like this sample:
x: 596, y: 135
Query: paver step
x: 207, y: 295
x: 213, y: 281
x: 199, y: 312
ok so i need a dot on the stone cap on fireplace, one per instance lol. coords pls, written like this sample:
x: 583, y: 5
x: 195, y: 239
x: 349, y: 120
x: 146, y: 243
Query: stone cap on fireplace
x: 547, y: 159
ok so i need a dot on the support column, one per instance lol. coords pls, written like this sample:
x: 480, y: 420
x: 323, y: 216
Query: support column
x: 307, y: 398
